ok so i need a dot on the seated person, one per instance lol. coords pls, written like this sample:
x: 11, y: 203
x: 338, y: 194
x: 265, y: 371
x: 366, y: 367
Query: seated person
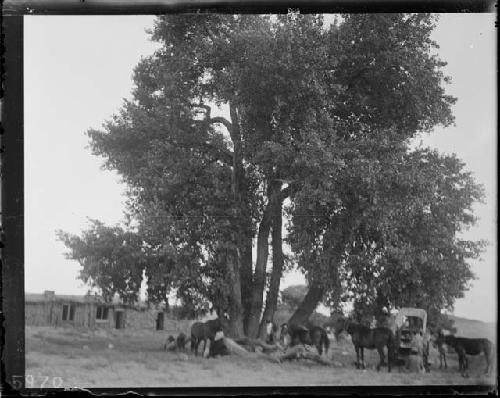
x: 170, y: 344
x: 217, y: 346
x: 181, y: 342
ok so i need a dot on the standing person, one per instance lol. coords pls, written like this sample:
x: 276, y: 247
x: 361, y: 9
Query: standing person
x: 271, y: 330
x: 285, y: 338
x: 416, y: 362
x: 384, y: 318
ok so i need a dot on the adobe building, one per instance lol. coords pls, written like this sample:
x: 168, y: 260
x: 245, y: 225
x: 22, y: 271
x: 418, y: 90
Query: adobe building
x: 91, y: 311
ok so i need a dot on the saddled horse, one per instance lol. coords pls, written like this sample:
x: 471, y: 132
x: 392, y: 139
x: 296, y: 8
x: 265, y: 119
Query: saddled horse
x: 364, y: 337
x: 308, y: 334
x: 203, y: 331
x: 466, y: 346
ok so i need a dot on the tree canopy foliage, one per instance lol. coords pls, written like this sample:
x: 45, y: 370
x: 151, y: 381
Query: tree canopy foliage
x: 236, y: 115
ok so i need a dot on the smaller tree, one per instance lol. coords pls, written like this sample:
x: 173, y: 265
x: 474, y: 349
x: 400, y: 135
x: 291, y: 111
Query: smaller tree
x: 437, y: 321
x: 112, y: 259
x: 293, y: 295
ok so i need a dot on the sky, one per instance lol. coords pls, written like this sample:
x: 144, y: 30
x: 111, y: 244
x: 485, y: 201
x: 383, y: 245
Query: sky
x: 78, y: 70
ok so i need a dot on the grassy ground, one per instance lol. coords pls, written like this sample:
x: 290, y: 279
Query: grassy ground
x: 80, y: 358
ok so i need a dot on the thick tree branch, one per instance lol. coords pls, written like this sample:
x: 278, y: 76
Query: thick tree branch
x: 223, y: 154
x: 222, y: 120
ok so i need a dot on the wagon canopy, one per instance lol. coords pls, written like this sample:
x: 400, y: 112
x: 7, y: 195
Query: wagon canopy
x: 414, y: 312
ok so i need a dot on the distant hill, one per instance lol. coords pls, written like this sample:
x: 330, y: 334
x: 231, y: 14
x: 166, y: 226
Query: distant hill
x: 474, y: 328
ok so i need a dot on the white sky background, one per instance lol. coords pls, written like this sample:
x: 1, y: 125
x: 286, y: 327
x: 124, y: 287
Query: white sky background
x: 77, y: 71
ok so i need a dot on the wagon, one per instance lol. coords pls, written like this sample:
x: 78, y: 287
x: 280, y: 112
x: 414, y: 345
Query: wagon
x: 411, y: 324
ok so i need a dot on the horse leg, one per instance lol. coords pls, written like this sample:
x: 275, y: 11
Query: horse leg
x: 357, y: 356
x: 193, y: 343
x: 362, y: 357
x: 204, y: 347
x: 198, y: 343
x: 462, y: 363
x: 381, y: 355
x: 389, y: 358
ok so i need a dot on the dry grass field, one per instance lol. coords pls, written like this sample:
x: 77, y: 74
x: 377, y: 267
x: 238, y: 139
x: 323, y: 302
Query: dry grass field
x: 67, y: 357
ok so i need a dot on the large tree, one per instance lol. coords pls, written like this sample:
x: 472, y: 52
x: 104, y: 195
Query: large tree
x: 234, y: 115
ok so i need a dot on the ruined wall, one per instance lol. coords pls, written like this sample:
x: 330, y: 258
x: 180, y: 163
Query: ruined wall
x: 180, y: 325
x: 140, y: 319
x: 146, y: 319
x: 92, y: 322
x: 49, y: 313
x: 36, y: 314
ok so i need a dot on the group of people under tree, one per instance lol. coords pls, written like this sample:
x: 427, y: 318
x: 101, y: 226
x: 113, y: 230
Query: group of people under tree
x: 311, y: 342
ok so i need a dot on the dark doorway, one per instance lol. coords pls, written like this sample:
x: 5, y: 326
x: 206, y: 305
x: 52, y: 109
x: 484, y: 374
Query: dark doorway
x: 159, y: 321
x: 119, y: 320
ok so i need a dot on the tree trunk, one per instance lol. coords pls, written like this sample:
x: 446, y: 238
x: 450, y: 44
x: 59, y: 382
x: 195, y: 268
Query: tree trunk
x: 243, y: 273
x: 308, y: 305
x: 235, y: 307
x: 333, y: 253
x: 259, y: 277
x: 246, y: 279
x: 278, y: 263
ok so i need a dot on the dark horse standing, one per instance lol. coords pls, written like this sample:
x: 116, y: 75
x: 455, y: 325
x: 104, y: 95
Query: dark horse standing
x: 364, y: 337
x: 464, y: 346
x: 203, y: 331
x: 310, y: 335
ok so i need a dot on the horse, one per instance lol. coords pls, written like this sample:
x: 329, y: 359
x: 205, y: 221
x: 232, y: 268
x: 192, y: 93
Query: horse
x: 364, y: 337
x: 466, y: 346
x: 310, y: 335
x: 203, y: 331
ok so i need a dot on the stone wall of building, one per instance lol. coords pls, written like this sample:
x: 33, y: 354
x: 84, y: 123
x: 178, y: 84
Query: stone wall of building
x: 49, y: 313
x: 36, y: 314
x: 140, y: 319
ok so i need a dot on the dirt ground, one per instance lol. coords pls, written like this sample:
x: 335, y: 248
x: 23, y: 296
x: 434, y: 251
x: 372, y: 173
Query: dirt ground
x: 73, y: 358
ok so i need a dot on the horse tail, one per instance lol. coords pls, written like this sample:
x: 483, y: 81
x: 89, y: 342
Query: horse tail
x: 193, y: 342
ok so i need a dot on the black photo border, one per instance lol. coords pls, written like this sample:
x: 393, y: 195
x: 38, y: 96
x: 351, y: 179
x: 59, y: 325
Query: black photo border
x: 12, y: 331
